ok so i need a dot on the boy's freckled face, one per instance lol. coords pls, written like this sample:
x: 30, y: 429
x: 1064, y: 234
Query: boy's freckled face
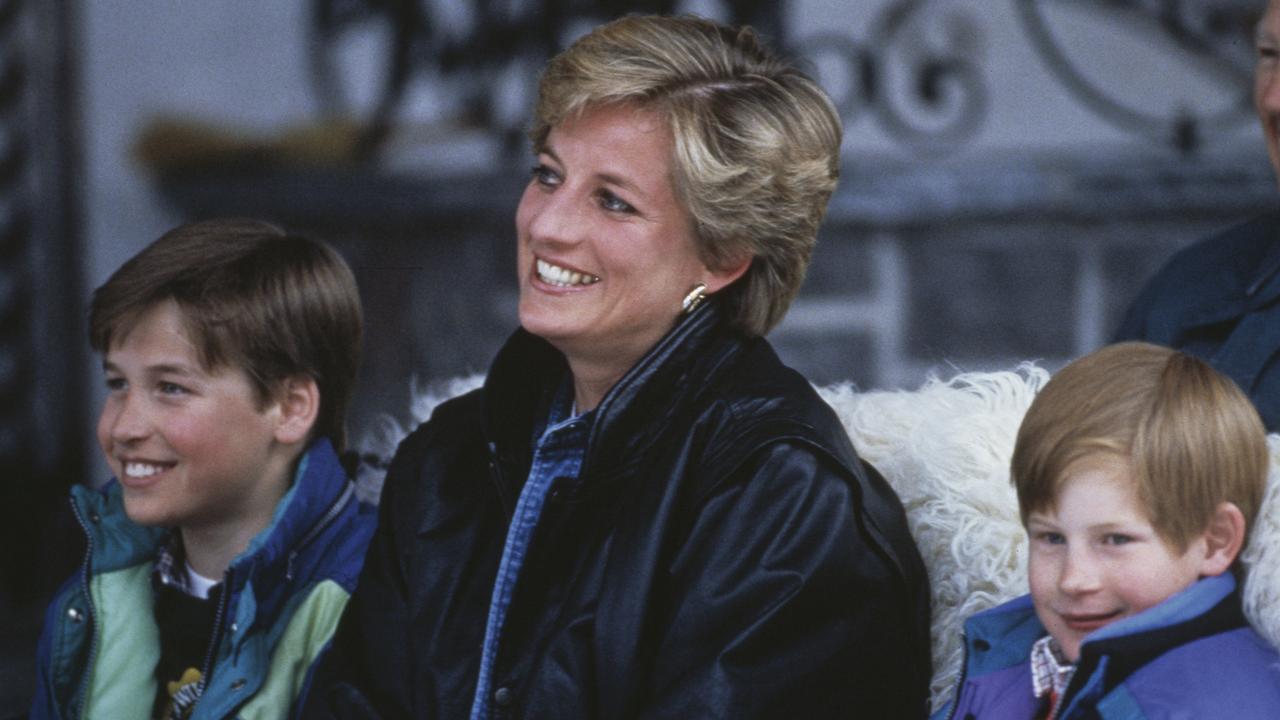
x: 1096, y: 558
x: 190, y: 446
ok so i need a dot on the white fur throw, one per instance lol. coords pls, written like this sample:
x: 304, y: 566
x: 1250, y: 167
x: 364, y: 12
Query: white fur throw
x: 1262, y: 558
x: 945, y: 449
x: 380, y: 441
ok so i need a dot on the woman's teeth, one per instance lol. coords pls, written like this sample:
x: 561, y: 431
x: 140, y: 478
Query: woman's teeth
x: 562, y: 277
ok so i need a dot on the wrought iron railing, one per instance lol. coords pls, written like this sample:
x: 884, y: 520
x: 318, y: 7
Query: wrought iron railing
x: 1218, y: 34
x: 916, y: 71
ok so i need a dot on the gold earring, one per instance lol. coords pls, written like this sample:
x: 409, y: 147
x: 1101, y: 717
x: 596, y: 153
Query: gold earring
x: 694, y: 298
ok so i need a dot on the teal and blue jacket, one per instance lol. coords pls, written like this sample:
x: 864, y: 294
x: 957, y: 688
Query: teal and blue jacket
x: 281, y: 601
x: 1191, y: 656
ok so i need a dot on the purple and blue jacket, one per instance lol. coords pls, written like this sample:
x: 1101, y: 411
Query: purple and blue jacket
x: 1192, y: 656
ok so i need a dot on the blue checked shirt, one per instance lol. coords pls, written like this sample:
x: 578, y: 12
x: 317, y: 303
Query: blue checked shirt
x: 557, y: 453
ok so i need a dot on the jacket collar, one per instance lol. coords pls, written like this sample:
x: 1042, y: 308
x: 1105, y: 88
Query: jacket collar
x: 319, y: 483
x: 1264, y: 283
x: 1196, y: 600
x: 634, y: 411
x: 1001, y: 637
x: 1007, y: 632
x: 526, y: 372
x: 1007, y: 620
x: 320, y: 489
x: 1210, y: 606
x: 115, y: 541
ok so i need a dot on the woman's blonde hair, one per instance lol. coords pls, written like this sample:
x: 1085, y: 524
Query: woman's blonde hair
x: 1188, y: 437
x: 757, y: 142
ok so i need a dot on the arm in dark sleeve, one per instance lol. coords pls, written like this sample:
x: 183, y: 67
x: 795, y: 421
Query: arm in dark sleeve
x: 782, y: 604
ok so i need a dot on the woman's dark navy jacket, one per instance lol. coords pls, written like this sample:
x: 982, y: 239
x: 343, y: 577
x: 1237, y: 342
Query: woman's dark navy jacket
x: 723, y: 553
x: 1219, y: 300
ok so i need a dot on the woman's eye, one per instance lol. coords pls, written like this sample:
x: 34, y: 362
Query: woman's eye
x: 544, y: 175
x: 613, y: 203
x: 1117, y: 539
x: 115, y: 384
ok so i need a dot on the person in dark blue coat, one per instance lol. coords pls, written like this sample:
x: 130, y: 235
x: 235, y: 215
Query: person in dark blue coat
x: 1220, y: 301
x: 1139, y: 471
x: 1220, y: 298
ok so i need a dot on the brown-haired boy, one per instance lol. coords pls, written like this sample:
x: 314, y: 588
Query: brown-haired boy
x: 1139, y: 470
x: 220, y: 558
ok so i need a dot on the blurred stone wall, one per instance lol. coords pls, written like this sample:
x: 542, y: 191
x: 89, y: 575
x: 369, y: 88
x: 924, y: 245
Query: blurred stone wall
x: 42, y: 378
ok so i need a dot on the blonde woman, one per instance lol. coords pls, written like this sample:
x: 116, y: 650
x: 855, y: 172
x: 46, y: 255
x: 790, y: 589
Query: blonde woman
x: 643, y: 512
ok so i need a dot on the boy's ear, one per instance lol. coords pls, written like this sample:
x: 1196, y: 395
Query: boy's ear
x: 1224, y: 539
x: 299, y: 404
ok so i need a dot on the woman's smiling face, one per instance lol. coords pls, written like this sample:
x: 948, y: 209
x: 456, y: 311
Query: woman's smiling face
x: 606, y: 251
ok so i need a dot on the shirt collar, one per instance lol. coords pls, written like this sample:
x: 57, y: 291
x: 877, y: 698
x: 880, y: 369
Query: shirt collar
x: 1050, y: 671
x: 170, y: 565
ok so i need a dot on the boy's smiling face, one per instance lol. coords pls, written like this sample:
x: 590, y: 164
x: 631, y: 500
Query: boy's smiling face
x: 1096, y: 558
x: 192, y: 447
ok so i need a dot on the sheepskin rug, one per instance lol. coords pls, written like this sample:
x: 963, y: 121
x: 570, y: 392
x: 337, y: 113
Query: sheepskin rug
x: 1262, y: 558
x: 945, y: 448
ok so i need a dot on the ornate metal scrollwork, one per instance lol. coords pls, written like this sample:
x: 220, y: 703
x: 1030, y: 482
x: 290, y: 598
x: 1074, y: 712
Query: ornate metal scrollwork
x: 917, y: 71
x: 1218, y: 33
x: 483, y: 41
x: 925, y: 91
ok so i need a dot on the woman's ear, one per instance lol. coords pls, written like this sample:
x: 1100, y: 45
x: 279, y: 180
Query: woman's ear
x: 298, y: 401
x: 1224, y: 538
x: 718, y: 278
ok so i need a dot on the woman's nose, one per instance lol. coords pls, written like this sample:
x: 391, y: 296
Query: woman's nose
x: 555, y: 216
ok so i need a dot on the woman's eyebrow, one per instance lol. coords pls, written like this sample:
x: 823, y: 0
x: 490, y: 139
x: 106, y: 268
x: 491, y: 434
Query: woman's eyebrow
x: 623, y: 182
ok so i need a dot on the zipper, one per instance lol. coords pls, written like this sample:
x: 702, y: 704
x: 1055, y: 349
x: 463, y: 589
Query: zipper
x: 89, y: 612
x: 225, y: 596
x: 224, y: 600
x: 964, y: 672
x: 321, y: 525
x: 495, y: 474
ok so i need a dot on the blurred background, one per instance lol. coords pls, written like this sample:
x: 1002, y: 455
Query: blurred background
x: 1013, y: 171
